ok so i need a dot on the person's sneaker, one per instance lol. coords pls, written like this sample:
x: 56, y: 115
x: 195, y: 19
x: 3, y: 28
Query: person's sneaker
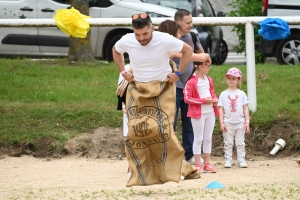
x: 128, y: 176
x: 182, y: 178
x: 199, y: 168
x: 191, y: 161
x: 243, y: 164
x: 227, y: 164
x: 208, y: 168
x: 129, y: 173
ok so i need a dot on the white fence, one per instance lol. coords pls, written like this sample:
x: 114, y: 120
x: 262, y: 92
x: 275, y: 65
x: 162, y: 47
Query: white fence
x: 209, y: 21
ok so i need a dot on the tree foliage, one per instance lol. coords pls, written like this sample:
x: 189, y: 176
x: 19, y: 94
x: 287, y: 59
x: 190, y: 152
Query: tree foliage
x: 81, y: 48
x: 246, y: 8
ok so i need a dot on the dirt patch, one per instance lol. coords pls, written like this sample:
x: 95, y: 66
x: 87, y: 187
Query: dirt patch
x: 93, y: 166
x: 261, y: 141
x: 108, y: 143
x: 89, y: 178
x: 103, y: 143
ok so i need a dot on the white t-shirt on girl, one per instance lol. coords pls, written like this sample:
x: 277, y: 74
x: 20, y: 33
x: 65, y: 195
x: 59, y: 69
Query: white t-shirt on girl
x: 233, y: 102
x: 150, y: 62
x: 203, y: 91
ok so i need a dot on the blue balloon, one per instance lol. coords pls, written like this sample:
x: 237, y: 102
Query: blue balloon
x: 274, y: 29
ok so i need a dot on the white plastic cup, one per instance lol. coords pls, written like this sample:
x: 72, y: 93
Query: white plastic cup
x: 275, y: 150
x: 279, y: 144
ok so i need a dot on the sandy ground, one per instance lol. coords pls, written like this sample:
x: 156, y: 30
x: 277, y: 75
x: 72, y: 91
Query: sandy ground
x: 82, y: 178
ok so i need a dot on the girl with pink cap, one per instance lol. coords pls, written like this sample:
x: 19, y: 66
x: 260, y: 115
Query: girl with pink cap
x: 234, y: 117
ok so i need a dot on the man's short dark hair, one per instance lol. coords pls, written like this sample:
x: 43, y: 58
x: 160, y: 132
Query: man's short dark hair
x: 140, y: 23
x: 180, y: 14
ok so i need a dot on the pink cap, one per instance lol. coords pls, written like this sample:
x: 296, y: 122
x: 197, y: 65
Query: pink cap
x: 234, y: 72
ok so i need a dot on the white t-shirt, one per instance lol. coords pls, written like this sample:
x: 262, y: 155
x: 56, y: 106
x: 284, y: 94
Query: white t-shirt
x: 233, y: 102
x: 150, y: 62
x: 203, y: 91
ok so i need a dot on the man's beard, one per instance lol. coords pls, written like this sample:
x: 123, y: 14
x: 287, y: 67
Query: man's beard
x: 145, y: 41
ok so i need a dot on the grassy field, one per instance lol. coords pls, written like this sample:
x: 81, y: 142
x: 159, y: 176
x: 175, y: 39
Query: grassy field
x: 55, y: 99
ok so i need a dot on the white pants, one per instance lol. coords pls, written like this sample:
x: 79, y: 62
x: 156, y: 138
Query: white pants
x: 234, y: 132
x: 203, y: 128
x: 125, y: 124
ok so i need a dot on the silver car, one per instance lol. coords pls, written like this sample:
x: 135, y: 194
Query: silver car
x: 51, y: 41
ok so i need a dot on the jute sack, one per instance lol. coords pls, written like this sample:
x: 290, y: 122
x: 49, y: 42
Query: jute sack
x: 152, y: 149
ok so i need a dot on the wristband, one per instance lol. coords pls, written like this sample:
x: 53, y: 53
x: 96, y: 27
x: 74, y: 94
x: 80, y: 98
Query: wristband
x: 123, y: 72
x: 178, y: 73
x: 247, y: 121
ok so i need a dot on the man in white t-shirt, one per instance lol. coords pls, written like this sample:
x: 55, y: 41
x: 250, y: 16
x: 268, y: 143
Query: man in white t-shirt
x: 149, y: 52
x: 151, y: 147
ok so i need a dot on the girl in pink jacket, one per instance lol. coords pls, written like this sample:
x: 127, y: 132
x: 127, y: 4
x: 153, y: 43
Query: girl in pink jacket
x: 200, y: 95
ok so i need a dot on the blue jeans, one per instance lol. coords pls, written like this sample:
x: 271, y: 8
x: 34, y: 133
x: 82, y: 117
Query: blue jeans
x: 187, y: 128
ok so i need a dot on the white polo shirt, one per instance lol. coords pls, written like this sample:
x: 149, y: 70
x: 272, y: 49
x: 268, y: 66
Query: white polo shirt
x: 150, y: 62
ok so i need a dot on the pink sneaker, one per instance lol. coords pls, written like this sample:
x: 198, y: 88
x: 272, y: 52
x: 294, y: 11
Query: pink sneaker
x: 199, y: 168
x: 208, y: 168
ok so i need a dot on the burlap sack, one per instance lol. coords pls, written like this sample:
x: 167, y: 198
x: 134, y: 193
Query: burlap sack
x: 152, y: 149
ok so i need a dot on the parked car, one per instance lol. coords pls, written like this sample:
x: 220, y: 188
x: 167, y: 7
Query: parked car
x: 50, y: 41
x: 287, y: 51
x: 211, y: 37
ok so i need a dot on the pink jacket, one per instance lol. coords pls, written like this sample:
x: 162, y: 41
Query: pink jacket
x: 191, y: 97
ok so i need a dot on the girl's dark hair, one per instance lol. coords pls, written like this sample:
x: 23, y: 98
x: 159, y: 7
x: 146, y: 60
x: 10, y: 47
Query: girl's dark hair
x: 197, y: 63
x: 193, y: 71
x: 169, y: 26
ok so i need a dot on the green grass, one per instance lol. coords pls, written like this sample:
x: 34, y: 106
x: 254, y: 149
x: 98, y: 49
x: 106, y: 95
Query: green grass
x: 286, y: 190
x: 52, y: 98
x: 47, y: 98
